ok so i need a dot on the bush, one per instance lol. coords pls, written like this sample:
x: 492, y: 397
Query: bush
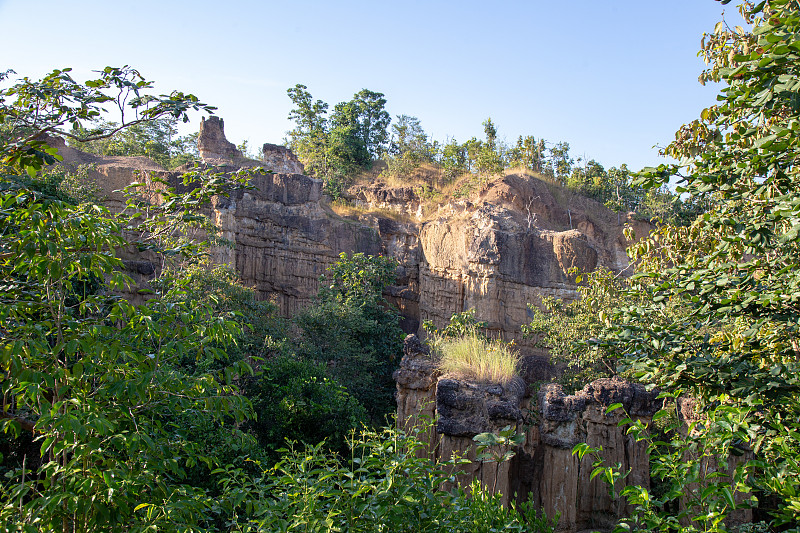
x: 295, y: 400
x: 352, y: 330
x: 380, y: 485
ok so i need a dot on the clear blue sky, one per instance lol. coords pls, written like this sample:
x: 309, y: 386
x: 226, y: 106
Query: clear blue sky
x: 611, y: 78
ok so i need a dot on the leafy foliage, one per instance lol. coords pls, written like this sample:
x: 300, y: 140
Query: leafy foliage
x: 336, y: 148
x: 460, y: 325
x: 409, y: 147
x: 70, y: 184
x: 354, y: 332
x: 93, y: 379
x: 381, y: 485
x: 567, y: 329
x: 59, y: 105
x: 296, y: 400
x: 93, y: 376
x: 735, y: 269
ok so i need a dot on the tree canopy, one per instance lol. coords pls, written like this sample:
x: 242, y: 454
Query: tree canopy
x: 734, y: 272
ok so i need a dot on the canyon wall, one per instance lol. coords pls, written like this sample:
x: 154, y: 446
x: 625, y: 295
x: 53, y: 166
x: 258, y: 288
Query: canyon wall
x: 511, y: 243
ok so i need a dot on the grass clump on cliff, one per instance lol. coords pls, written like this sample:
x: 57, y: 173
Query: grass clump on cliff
x: 476, y: 358
x: 464, y: 352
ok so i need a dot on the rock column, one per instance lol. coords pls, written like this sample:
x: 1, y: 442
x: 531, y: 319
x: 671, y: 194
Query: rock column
x: 544, y: 469
x: 564, y: 485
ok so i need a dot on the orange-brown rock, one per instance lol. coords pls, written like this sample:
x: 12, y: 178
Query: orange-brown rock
x: 544, y: 469
x: 513, y: 243
x: 280, y: 159
x: 510, y: 244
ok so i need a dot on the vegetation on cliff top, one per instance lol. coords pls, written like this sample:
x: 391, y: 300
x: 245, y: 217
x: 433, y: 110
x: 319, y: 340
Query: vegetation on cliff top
x: 358, y: 144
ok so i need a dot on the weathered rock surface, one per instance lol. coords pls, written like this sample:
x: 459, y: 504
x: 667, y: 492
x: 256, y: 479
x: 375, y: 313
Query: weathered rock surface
x: 416, y: 392
x: 511, y: 244
x: 466, y: 408
x: 212, y: 144
x: 280, y: 159
x: 285, y: 240
x: 544, y: 469
x: 582, y: 417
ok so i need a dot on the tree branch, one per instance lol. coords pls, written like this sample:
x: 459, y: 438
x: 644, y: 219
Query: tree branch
x: 24, y: 423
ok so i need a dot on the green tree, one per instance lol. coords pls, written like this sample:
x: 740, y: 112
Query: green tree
x: 91, y: 376
x: 309, y: 138
x: 488, y: 160
x: 472, y: 149
x: 354, y: 332
x: 735, y: 269
x: 564, y: 327
x: 453, y: 159
x: 337, y: 148
x: 560, y: 161
x: 296, y: 400
x: 409, y: 147
x: 347, y: 150
x: 373, y: 121
x: 527, y: 153
x: 591, y: 180
x: 58, y: 105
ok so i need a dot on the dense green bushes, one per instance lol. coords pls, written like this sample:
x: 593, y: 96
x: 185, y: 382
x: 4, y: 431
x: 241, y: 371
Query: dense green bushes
x: 379, y: 485
x: 295, y: 399
x: 354, y: 333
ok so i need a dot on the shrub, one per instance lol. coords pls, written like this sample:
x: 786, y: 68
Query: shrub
x: 354, y: 333
x: 380, y: 485
x: 295, y: 400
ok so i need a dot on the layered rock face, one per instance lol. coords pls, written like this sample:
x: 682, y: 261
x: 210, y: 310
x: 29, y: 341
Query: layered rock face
x: 280, y: 159
x: 544, y: 469
x: 510, y: 244
x: 285, y: 240
x: 559, y: 482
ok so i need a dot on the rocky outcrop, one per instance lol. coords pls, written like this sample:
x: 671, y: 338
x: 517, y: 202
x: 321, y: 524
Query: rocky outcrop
x: 561, y: 483
x: 544, y: 469
x: 212, y: 144
x: 465, y: 409
x: 510, y: 244
x: 280, y: 159
x: 284, y: 239
x: 215, y: 149
x: 416, y: 392
x: 404, y: 200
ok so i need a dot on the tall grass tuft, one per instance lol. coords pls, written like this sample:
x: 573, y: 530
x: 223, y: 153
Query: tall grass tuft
x: 473, y: 357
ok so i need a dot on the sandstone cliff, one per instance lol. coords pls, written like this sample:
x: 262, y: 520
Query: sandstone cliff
x: 509, y: 244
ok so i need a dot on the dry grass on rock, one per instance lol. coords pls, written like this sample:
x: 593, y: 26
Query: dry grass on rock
x: 473, y: 357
